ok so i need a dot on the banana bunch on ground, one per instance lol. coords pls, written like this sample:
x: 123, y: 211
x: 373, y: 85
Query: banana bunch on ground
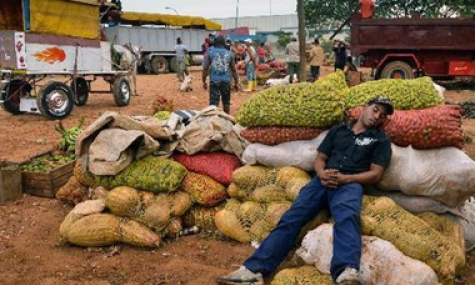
x: 68, y: 136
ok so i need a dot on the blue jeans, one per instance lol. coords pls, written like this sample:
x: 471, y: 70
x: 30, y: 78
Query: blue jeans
x: 344, y: 204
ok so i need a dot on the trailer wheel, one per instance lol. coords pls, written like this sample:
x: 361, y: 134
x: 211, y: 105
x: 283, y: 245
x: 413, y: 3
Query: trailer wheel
x: 173, y: 64
x: 81, y: 92
x: 397, y: 70
x: 55, y: 100
x: 159, y: 64
x: 121, y: 91
x: 11, y: 94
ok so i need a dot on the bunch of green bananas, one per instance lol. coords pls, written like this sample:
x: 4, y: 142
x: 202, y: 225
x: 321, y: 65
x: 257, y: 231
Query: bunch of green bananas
x: 69, y: 136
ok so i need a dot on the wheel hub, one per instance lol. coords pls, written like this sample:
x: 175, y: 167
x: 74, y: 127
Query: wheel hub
x: 57, y: 101
x: 124, y: 90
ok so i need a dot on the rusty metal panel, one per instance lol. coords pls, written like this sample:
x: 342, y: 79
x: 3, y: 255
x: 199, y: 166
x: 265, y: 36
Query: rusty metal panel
x: 7, y: 49
x: 412, y: 34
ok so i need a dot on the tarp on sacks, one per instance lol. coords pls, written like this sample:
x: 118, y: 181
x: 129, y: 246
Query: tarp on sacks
x: 135, y: 18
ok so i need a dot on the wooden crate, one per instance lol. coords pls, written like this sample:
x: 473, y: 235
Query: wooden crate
x: 10, y: 182
x: 46, y: 184
x: 354, y: 78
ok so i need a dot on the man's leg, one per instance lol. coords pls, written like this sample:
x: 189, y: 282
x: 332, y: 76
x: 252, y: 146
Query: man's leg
x: 214, y: 94
x: 291, y: 71
x: 281, y: 240
x: 297, y: 70
x: 313, y: 72
x: 317, y: 72
x: 226, y: 96
x: 345, y: 207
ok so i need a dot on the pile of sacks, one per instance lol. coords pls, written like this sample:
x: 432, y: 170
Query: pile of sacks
x: 417, y: 222
x: 265, y: 71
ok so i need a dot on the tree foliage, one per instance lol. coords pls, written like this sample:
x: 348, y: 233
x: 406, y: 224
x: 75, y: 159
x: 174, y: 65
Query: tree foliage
x: 320, y: 13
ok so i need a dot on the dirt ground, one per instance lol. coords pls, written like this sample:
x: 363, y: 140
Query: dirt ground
x: 30, y: 252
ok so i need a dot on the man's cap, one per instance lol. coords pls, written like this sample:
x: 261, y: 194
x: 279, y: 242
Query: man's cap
x: 248, y: 41
x: 384, y: 101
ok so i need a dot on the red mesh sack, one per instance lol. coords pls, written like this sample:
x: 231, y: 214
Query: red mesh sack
x: 276, y: 134
x: 204, y: 190
x: 423, y: 129
x: 217, y: 165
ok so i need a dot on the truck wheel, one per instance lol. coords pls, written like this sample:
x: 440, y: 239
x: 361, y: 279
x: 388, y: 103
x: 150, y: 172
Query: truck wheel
x: 159, y: 64
x: 121, y: 91
x: 55, y: 100
x: 173, y: 64
x: 81, y: 92
x: 397, y: 70
x: 11, y: 94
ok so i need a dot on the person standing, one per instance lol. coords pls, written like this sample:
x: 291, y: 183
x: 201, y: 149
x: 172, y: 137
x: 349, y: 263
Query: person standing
x: 292, y: 53
x: 339, y: 48
x: 250, y: 58
x: 180, y: 52
x: 219, y: 64
x: 350, y: 156
x: 317, y: 59
x: 261, y: 52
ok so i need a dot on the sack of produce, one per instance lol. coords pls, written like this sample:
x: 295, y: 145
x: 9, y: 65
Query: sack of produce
x: 409, y: 94
x: 301, y: 275
x: 73, y: 192
x: 381, y: 262
x: 446, y: 174
x: 202, y: 217
x: 301, y: 154
x: 274, y: 135
x: 383, y: 218
x: 336, y: 79
x: 217, y: 165
x: 303, y: 104
x: 423, y: 129
x: 204, y: 190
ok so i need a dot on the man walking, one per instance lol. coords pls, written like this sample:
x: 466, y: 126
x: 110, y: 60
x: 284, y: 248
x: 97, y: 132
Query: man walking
x: 317, y: 58
x: 180, y: 51
x: 292, y: 53
x: 250, y: 58
x: 219, y: 63
x: 350, y: 156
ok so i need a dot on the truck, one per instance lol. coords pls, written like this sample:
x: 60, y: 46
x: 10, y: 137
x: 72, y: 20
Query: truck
x: 442, y: 48
x: 156, y: 36
x: 47, y: 61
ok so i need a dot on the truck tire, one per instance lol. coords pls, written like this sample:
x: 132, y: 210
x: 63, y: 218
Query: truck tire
x: 55, y: 100
x: 397, y: 70
x: 121, y: 91
x: 173, y: 64
x: 11, y: 94
x: 158, y: 65
x: 81, y: 92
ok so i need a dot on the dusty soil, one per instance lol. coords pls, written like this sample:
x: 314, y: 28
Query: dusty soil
x: 30, y: 252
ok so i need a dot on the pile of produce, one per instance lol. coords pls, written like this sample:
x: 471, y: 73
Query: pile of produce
x: 69, y: 136
x: 48, y: 162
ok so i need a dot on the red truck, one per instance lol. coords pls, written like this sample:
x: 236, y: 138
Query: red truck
x: 443, y: 48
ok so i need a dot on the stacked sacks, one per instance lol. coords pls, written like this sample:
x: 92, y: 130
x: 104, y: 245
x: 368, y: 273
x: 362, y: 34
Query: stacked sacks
x: 149, y: 174
x: 204, y: 190
x: 335, y: 79
x: 276, y: 135
x: 303, y: 104
x: 411, y: 94
x: 85, y: 225
x: 417, y: 239
x: 423, y: 129
x: 72, y: 192
x: 261, y: 196
x: 300, y: 276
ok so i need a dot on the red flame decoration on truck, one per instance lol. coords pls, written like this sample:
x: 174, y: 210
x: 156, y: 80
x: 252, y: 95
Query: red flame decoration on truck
x: 51, y: 55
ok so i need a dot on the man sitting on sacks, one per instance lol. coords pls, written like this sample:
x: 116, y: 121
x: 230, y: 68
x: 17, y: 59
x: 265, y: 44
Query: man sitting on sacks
x: 349, y: 157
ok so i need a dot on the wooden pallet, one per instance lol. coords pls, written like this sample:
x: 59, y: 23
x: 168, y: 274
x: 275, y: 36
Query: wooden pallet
x: 46, y: 184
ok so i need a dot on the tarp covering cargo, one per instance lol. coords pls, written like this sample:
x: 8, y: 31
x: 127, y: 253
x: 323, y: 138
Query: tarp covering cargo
x: 134, y: 18
x: 76, y: 18
x: 10, y: 16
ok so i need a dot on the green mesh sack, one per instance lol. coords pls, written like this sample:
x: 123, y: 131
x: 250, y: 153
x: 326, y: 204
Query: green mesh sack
x: 150, y: 174
x: 261, y: 228
x: 237, y: 193
x: 335, y: 79
x: 299, y: 105
x: 248, y: 178
x: 204, y: 190
x: 304, y: 275
x: 123, y: 201
x: 228, y: 223
x: 382, y: 217
x: 249, y: 212
x: 446, y: 227
x: 410, y: 94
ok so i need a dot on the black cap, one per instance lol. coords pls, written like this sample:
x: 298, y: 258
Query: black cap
x: 383, y: 101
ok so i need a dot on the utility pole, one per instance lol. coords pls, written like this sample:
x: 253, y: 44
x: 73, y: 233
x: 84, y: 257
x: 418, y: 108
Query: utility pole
x: 237, y: 14
x: 302, y: 36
